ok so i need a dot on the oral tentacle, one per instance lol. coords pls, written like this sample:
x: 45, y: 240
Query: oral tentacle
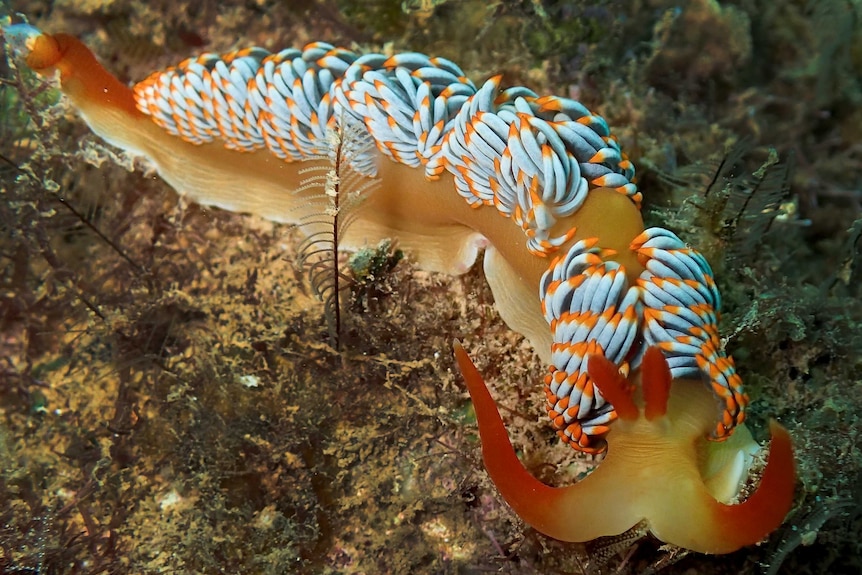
x: 531, y: 499
x: 592, y: 508
x: 693, y: 519
x: 765, y: 509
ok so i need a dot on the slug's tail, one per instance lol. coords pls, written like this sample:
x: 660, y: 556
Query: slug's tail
x: 81, y: 76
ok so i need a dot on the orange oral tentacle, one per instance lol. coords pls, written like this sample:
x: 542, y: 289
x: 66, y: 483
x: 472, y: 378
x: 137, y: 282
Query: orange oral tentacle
x: 765, y: 509
x: 531, y: 499
x: 690, y: 517
x: 596, y: 506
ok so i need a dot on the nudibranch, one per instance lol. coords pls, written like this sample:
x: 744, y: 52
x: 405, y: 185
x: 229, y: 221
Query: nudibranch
x: 626, y: 317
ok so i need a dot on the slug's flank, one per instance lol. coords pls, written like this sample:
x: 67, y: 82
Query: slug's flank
x: 626, y: 317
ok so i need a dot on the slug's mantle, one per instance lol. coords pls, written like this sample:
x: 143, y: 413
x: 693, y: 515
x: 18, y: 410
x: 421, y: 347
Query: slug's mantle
x: 626, y: 317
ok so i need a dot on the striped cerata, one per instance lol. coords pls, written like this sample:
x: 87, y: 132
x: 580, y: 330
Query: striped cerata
x: 535, y: 159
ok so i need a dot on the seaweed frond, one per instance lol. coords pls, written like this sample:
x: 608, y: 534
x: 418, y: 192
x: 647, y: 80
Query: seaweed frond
x: 803, y: 526
x: 754, y: 202
x: 336, y: 189
x: 370, y: 270
x: 734, y: 207
x: 850, y: 272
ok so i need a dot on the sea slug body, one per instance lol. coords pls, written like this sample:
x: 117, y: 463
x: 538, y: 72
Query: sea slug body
x: 626, y: 317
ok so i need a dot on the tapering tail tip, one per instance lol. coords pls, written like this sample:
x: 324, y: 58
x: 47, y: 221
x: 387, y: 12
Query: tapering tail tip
x: 82, y: 78
x: 39, y: 50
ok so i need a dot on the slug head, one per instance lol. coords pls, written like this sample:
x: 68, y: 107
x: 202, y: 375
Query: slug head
x: 652, y: 471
